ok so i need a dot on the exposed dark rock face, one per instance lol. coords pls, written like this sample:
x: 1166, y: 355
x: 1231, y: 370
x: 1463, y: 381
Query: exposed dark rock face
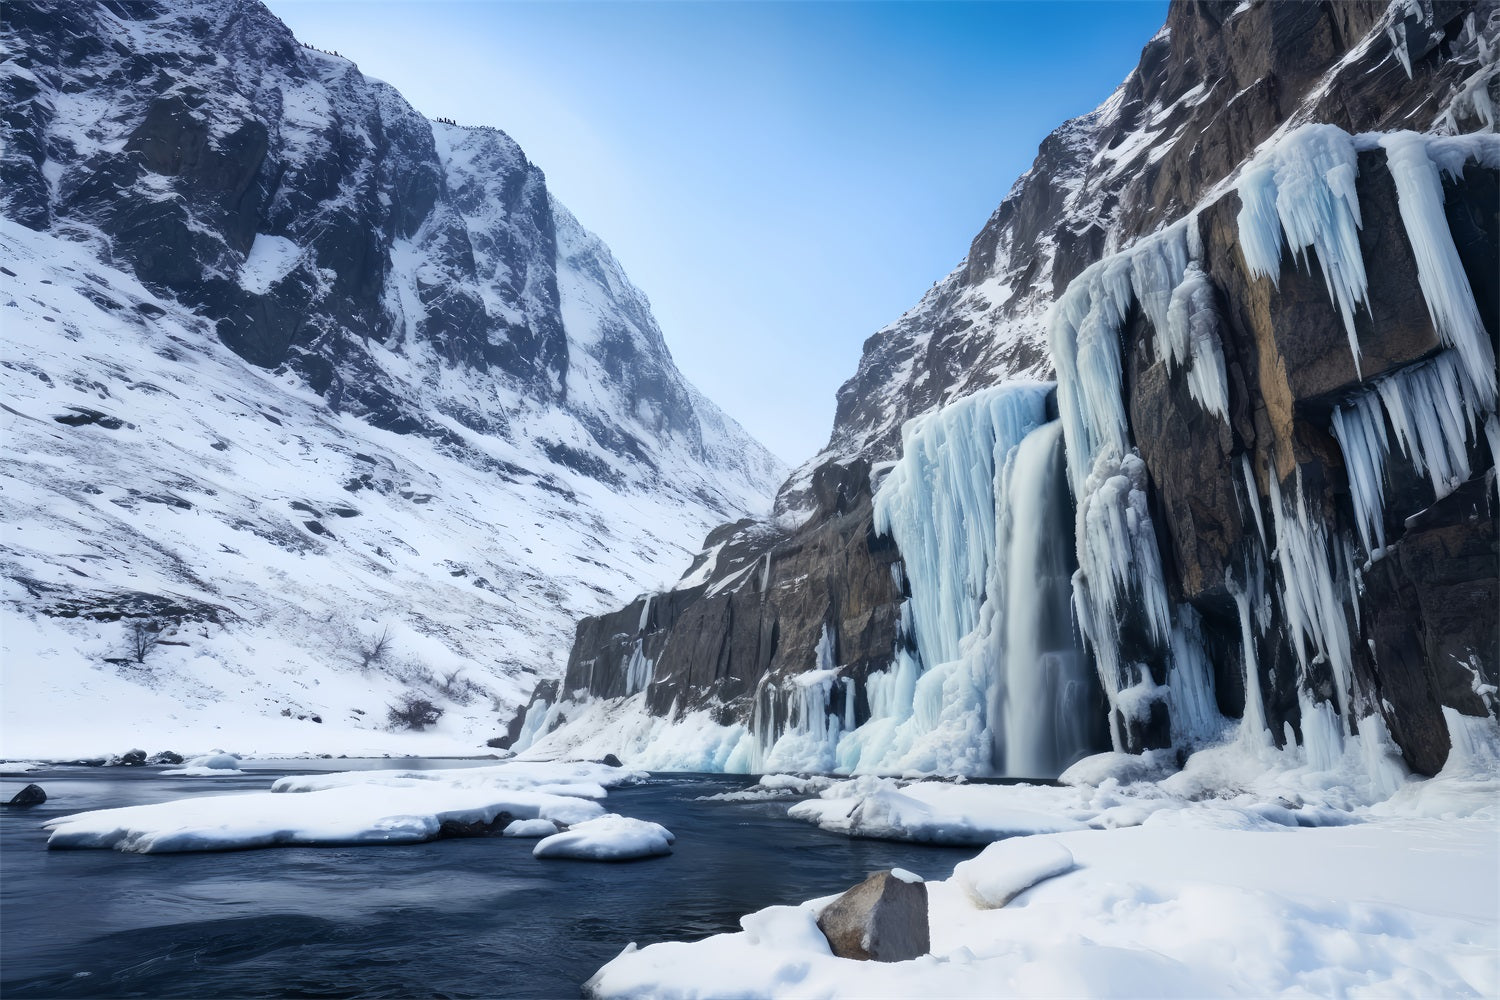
x: 1288, y: 364
x: 1216, y: 83
x: 883, y: 919
x: 728, y: 643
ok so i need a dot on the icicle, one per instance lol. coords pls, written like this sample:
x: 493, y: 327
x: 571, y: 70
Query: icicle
x: 1445, y: 286
x: 1309, y: 594
x: 1253, y: 496
x: 1190, y: 337
x: 1310, y: 176
x: 639, y: 671
x: 1360, y: 430
x: 1253, y: 728
x: 1434, y: 418
x: 1191, y: 708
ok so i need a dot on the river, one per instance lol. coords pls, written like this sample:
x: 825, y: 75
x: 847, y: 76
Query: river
x: 451, y: 918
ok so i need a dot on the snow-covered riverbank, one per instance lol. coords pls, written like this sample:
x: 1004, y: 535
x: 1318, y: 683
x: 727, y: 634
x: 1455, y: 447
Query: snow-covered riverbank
x: 1287, y: 881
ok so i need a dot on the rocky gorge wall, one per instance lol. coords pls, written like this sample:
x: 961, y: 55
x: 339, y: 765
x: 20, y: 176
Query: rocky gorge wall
x: 1251, y: 586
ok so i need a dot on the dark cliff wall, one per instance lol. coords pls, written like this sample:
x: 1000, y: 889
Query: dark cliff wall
x: 761, y: 613
x: 1215, y: 84
x: 1425, y: 621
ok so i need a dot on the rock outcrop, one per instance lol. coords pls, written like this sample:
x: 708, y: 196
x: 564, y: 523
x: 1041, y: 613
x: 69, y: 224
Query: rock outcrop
x: 883, y: 919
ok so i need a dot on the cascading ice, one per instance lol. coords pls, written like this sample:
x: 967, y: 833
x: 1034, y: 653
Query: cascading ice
x: 1304, y: 187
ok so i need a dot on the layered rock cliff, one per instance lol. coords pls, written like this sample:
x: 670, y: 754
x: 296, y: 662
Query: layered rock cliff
x: 1281, y: 489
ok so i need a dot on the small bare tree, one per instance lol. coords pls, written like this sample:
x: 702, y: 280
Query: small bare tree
x: 141, y: 637
x: 376, y: 651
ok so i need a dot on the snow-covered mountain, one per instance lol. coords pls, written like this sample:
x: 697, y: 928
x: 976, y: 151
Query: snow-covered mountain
x: 1255, y: 505
x: 288, y: 368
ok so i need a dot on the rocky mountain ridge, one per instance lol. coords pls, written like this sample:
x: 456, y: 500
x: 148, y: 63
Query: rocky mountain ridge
x: 429, y: 339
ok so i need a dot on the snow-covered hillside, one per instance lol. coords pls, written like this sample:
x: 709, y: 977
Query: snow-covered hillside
x: 288, y: 368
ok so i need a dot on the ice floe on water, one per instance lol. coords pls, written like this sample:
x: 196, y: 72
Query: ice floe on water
x: 209, y: 765
x: 927, y: 812
x: 608, y: 838
x: 359, y: 807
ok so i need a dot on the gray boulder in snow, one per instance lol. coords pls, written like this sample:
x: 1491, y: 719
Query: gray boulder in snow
x: 884, y: 919
x: 31, y: 795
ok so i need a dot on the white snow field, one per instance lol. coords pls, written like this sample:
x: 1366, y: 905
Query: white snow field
x: 290, y: 539
x: 1164, y: 889
x: 608, y: 838
x: 356, y: 807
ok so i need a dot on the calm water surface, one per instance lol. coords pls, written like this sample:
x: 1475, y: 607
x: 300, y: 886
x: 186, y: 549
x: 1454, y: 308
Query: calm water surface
x: 452, y: 918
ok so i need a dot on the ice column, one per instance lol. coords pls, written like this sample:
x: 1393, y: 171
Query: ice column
x: 1310, y: 590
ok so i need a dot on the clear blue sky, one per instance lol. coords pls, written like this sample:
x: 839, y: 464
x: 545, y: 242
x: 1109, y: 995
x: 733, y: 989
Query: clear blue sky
x: 781, y: 179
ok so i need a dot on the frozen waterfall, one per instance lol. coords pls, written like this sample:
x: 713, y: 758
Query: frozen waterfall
x: 1045, y: 685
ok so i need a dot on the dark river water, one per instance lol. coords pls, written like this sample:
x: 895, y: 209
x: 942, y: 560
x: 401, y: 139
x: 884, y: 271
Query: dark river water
x: 451, y: 918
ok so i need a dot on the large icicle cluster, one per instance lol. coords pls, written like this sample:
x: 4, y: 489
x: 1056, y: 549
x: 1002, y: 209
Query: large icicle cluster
x: 1435, y: 417
x: 1304, y: 187
x: 1414, y: 161
x: 1190, y: 338
x: 1120, y: 568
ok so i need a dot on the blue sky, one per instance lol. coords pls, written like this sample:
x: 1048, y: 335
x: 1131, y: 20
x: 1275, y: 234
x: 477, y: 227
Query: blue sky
x: 782, y: 179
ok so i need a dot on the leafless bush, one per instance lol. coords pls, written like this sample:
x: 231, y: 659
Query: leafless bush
x: 371, y: 653
x: 459, y: 689
x: 142, y: 636
x: 413, y: 711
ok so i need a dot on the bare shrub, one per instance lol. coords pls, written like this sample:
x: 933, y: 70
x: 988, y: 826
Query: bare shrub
x: 373, y: 652
x: 413, y: 711
x: 142, y: 636
x: 459, y: 689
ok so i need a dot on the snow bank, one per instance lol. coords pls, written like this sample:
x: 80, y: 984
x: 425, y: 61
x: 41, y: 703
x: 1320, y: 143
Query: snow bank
x: 1214, y: 897
x: 926, y: 812
x: 608, y: 838
x: 358, y: 807
x: 1008, y: 868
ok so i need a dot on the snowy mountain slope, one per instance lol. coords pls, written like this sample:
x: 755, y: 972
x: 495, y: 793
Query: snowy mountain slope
x: 154, y: 475
x: 310, y: 213
x: 279, y: 285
